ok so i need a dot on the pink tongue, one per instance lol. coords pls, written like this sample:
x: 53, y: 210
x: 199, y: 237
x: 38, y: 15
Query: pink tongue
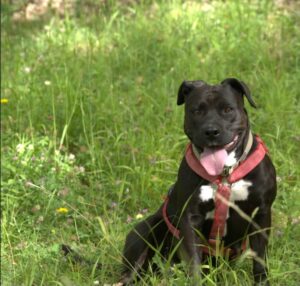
x: 213, y: 160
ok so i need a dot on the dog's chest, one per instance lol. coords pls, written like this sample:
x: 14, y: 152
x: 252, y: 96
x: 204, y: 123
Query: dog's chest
x: 239, y: 191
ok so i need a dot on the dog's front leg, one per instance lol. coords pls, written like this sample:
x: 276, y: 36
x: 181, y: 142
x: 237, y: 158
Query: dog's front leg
x: 190, y: 249
x: 140, y: 246
x: 259, y: 243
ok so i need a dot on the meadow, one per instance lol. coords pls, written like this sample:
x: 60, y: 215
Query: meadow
x: 91, y: 136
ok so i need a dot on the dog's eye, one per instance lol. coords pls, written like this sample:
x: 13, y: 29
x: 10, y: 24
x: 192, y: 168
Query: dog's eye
x: 197, y: 111
x: 227, y: 109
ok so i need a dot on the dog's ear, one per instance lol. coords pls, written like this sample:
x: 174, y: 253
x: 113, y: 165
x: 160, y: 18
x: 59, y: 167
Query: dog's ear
x: 185, y: 88
x: 240, y: 87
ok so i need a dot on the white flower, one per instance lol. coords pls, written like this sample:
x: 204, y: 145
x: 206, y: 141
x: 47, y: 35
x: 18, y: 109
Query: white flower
x: 47, y: 82
x: 27, y: 69
x: 81, y: 169
x: 20, y: 148
x: 71, y: 157
x: 30, y: 147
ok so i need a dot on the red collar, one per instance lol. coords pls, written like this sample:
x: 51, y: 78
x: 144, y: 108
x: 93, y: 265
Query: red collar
x: 223, y: 189
x: 238, y: 173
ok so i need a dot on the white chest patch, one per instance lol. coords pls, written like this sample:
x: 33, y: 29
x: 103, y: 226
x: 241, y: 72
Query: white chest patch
x: 207, y: 192
x: 231, y: 160
x: 239, y: 192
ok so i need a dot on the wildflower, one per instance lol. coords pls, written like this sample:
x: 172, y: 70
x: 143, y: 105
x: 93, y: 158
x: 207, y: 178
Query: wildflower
x: 30, y: 147
x: 20, y: 148
x: 62, y: 210
x: 129, y: 219
x: 295, y: 220
x: 47, y: 82
x: 113, y: 205
x: 4, y: 100
x: 139, y: 215
x: 36, y: 208
x: 27, y: 69
x: 71, y: 157
x: 81, y: 169
x: 40, y: 219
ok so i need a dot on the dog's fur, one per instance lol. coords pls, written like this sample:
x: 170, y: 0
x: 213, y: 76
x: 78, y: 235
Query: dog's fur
x: 214, y: 115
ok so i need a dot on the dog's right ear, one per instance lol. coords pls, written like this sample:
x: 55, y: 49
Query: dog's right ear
x: 185, y: 88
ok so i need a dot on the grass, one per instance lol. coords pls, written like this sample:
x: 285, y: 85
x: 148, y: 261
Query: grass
x: 91, y: 125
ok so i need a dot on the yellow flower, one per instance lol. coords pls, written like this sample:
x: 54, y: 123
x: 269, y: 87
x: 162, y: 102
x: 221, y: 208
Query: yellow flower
x: 62, y: 210
x: 4, y: 100
x: 138, y: 216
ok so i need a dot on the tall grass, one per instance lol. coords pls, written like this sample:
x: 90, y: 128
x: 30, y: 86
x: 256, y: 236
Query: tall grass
x: 102, y: 85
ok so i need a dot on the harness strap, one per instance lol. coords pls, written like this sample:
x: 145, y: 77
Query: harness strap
x: 175, y: 231
x: 244, y: 167
x: 221, y: 212
x: 212, y: 248
x: 250, y: 163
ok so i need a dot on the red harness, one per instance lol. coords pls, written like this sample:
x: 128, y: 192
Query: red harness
x: 222, y: 194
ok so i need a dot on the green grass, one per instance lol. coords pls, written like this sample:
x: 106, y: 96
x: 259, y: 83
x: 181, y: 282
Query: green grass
x: 102, y: 85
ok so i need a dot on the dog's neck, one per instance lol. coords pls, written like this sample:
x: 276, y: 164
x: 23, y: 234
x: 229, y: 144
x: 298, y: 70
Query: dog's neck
x: 237, y: 155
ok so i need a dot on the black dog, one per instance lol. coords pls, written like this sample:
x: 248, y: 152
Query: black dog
x: 217, y: 125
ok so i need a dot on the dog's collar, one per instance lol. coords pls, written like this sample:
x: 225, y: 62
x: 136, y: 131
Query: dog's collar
x: 229, y: 169
x: 237, y: 172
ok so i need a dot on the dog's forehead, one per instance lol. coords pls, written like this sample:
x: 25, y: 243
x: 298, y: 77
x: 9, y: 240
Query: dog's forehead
x: 214, y: 94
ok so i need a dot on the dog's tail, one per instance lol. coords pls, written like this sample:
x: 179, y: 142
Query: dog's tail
x: 77, y: 258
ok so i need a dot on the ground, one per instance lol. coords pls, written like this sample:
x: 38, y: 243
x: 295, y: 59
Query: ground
x: 92, y: 136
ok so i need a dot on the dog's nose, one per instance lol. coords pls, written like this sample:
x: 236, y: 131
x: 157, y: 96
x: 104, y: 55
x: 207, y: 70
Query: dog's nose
x: 212, y: 132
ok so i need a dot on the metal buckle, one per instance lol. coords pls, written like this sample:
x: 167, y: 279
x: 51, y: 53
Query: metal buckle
x: 226, y: 171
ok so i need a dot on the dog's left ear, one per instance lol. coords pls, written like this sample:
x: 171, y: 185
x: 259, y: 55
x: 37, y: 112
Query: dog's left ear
x: 186, y: 87
x: 240, y: 87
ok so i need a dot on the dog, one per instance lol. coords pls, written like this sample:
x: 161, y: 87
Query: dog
x: 225, y: 188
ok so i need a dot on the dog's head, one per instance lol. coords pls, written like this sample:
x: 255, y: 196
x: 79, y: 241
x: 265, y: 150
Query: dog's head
x: 215, y: 116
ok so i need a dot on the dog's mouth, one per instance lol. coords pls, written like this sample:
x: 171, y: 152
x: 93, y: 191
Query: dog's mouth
x: 231, y: 145
x: 213, y: 158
